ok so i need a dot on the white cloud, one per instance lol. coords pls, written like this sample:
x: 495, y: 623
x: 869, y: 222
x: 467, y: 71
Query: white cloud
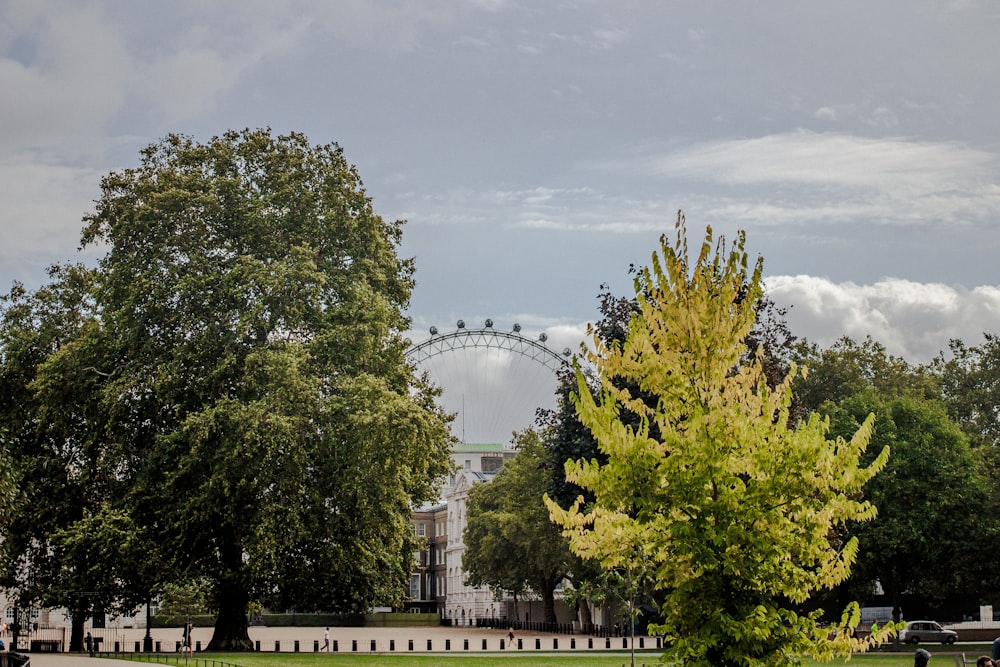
x: 832, y: 160
x: 913, y: 320
x: 804, y: 177
x: 609, y: 38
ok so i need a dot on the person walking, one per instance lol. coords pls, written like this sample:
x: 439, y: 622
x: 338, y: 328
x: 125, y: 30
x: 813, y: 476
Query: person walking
x: 326, y: 640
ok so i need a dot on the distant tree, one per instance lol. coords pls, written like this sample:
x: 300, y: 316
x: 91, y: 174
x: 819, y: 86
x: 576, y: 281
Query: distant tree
x: 511, y: 544
x: 245, y: 376
x: 988, y: 537
x: 182, y: 600
x: 929, y: 533
x: 932, y: 480
x: 848, y: 367
x: 728, y: 509
x: 970, y: 381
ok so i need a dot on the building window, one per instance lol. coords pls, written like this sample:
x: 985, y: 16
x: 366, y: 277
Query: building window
x: 415, y: 587
x: 422, y: 530
x: 468, y: 464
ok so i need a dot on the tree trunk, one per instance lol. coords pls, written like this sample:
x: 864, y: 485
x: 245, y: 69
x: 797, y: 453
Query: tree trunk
x: 76, y: 632
x: 232, y: 631
x: 548, y: 601
x: 231, y: 627
x: 586, y: 618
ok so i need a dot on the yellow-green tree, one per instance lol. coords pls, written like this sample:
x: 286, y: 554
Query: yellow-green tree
x: 734, y: 514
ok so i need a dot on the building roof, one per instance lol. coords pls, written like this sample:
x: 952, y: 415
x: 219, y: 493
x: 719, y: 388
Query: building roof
x: 470, y: 447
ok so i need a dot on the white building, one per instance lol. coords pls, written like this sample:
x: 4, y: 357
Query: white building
x: 463, y: 603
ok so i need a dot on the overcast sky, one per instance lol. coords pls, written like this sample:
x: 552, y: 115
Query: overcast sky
x: 537, y: 149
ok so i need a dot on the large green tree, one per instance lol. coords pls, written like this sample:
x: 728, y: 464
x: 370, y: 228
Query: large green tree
x: 728, y: 509
x: 929, y: 535
x: 249, y: 375
x: 511, y: 544
x: 933, y: 480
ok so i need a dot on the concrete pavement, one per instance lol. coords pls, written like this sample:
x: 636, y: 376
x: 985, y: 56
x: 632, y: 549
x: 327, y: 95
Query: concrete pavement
x: 367, y: 640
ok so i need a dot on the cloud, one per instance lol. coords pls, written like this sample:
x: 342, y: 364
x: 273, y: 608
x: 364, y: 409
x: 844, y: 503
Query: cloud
x: 806, y: 177
x: 63, y: 73
x: 913, y: 320
x: 831, y: 160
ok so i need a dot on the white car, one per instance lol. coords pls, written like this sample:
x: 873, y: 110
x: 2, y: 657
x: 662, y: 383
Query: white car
x: 926, y: 631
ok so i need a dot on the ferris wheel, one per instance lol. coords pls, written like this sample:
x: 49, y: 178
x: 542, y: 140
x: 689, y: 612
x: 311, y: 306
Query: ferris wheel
x: 493, y: 381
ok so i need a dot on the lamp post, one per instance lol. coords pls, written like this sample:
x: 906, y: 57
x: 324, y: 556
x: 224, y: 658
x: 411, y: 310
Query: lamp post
x: 147, y: 641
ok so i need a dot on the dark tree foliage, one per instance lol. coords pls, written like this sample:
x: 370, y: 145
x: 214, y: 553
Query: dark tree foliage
x: 567, y: 438
x: 772, y: 335
x: 65, y: 540
x: 928, y: 536
x: 848, y: 367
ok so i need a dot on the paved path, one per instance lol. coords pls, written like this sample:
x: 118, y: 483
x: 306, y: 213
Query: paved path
x: 70, y: 660
x: 386, y: 640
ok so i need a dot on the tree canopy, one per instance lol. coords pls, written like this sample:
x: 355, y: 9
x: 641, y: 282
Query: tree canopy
x: 933, y: 479
x: 970, y: 382
x: 237, y: 377
x: 728, y: 509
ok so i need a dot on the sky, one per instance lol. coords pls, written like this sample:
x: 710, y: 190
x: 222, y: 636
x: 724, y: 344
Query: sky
x: 538, y: 149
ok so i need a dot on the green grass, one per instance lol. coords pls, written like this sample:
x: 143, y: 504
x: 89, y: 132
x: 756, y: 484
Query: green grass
x: 943, y: 657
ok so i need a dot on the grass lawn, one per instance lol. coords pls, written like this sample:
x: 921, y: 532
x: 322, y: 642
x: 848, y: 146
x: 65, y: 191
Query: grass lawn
x: 942, y: 657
